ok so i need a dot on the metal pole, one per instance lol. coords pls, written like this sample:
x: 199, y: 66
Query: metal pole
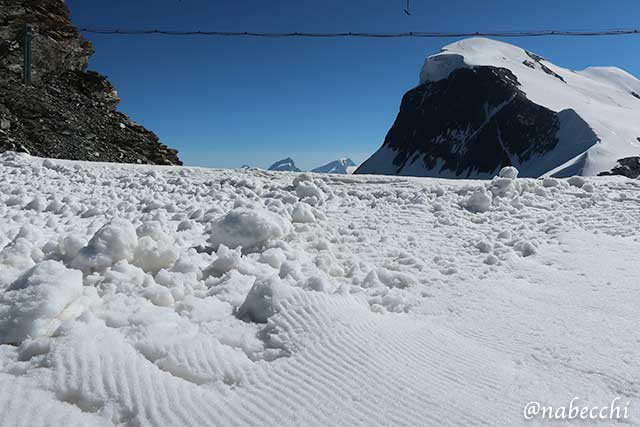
x: 28, y: 36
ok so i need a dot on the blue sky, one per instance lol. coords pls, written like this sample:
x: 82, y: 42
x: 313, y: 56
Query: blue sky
x: 225, y: 102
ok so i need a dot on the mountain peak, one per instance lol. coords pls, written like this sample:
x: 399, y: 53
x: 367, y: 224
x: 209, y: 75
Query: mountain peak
x: 343, y: 165
x: 284, y: 165
x: 483, y: 104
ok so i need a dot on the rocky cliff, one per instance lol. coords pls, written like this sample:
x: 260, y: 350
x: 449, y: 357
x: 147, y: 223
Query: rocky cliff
x: 66, y: 112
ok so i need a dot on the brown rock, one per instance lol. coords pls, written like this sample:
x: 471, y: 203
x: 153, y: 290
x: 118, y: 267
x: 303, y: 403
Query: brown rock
x: 67, y: 112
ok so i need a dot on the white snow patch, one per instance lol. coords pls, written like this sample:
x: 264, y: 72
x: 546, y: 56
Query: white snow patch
x: 115, y: 241
x: 31, y: 306
x: 400, y: 287
x: 248, y: 228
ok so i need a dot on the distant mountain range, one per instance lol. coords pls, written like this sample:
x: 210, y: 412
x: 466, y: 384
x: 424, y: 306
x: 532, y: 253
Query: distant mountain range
x: 343, y: 165
x: 284, y: 165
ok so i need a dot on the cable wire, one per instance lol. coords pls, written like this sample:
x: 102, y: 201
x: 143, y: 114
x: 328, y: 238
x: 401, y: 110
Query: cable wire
x: 414, y: 34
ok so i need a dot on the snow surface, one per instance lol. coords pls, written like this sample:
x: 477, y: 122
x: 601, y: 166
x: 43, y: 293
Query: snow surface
x: 142, y: 295
x: 602, y: 96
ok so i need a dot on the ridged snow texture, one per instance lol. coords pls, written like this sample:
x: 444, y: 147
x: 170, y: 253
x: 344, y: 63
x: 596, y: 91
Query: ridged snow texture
x: 397, y: 301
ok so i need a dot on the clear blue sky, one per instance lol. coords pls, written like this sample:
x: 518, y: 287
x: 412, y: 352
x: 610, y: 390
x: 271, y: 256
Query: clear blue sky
x: 225, y: 102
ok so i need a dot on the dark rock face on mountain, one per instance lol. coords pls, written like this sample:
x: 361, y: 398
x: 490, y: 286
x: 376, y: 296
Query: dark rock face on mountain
x: 629, y: 167
x: 474, y: 122
x: 482, y: 104
x: 66, y: 112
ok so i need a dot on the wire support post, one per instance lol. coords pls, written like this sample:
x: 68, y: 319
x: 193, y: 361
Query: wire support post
x: 28, y: 38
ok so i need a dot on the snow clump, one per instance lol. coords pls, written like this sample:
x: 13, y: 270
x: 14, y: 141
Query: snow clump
x: 30, y: 305
x: 576, y: 181
x: 248, y: 228
x: 114, y: 242
x: 307, y: 191
x: 509, y: 172
x: 302, y: 213
x: 264, y: 300
x: 479, y: 201
x: 155, y: 249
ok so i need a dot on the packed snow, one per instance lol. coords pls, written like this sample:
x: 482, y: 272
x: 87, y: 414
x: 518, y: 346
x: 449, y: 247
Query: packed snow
x: 606, y: 98
x: 143, y: 295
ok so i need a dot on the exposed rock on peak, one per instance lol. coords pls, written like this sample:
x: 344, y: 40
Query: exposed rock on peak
x: 629, y: 167
x: 66, y: 112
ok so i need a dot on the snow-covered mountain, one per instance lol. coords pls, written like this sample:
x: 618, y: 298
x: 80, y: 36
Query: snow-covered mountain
x: 343, y: 165
x: 284, y: 165
x: 483, y: 104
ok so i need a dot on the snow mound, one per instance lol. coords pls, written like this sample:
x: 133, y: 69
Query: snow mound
x: 509, y: 172
x: 155, y: 249
x: 31, y: 306
x: 302, y: 213
x: 264, y: 299
x: 479, y: 201
x: 115, y: 241
x: 250, y: 229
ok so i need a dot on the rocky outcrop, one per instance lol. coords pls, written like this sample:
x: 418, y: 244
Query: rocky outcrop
x: 629, y: 167
x: 67, y: 112
x: 473, y: 122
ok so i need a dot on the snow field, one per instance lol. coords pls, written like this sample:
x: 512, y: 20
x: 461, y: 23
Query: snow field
x: 138, y: 295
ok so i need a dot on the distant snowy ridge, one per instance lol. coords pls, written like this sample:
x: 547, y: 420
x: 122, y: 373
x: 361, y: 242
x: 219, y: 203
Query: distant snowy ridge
x: 284, y: 165
x: 343, y: 165
x: 483, y: 104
